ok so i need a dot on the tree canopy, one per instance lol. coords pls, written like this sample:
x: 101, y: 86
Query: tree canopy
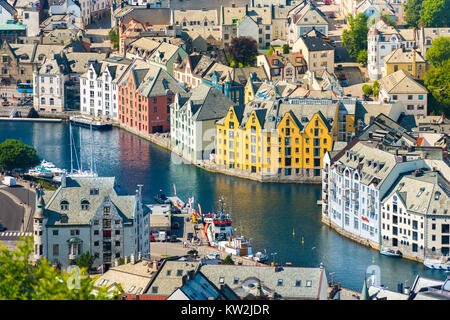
x: 430, y: 13
x: 437, y: 80
x: 85, y: 260
x: 355, y: 39
x: 243, y: 51
x: 439, y: 52
x: 20, y: 279
x: 227, y: 260
x: 114, y: 37
x: 14, y: 154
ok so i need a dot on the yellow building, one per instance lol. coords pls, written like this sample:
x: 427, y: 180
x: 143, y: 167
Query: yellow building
x: 286, y: 138
x: 408, y: 60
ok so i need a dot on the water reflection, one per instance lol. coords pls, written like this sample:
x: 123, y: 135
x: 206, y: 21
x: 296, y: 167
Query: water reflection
x: 275, y: 216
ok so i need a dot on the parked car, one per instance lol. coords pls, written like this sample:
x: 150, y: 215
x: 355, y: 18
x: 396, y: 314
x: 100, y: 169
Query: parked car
x: 332, y: 15
x: 190, y: 235
x: 213, y: 256
x: 2, y: 228
x: 342, y: 77
x: 344, y: 83
x: 9, y: 181
x: 339, y: 67
x: 173, y: 238
x: 327, y: 2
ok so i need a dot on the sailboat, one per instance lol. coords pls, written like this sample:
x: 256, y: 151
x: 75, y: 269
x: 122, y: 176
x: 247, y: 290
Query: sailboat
x: 80, y: 173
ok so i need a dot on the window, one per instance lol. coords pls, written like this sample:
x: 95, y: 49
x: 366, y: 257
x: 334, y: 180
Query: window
x: 298, y: 283
x: 55, y: 232
x: 64, y: 205
x: 280, y: 282
x: 56, y: 249
x: 308, y: 283
x: 84, y: 204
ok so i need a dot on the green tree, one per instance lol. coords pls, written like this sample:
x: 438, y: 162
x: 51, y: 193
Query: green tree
x: 270, y: 51
x: 286, y: 48
x: 20, y: 279
x: 437, y: 81
x: 362, y: 57
x: 85, y: 260
x: 243, y: 50
x: 376, y: 91
x: 14, y: 154
x: 227, y: 260
x: 435, y: 13
x: 439, y: 52
x: 367, y: 89
x: 192, y: 252
x: 376, y: 84
x: 412, y: 12
x: 114, y: 37
x: 355, y: 39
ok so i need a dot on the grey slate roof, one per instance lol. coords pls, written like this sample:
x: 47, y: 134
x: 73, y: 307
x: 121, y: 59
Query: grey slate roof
x: 78, y: 189
x: 208, y: 103
x: 281, y: 283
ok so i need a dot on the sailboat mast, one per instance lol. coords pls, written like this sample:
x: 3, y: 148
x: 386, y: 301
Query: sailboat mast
x: 71, y: 158
x: 92, y: 150
x: 81, y: 154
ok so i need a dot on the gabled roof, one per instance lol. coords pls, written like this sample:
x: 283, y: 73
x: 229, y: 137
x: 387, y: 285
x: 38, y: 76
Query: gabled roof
x: 403, y: 55
x: 401, y: 82
x: 316, y: 43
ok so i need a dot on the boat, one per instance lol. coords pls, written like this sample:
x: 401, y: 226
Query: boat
x: 87, y: 123
x: 236, y: 246
x: 390, y: 252
x: 80, y: 173
x: 260, y: 257
x: 161, y: 198
x: 442, y: 263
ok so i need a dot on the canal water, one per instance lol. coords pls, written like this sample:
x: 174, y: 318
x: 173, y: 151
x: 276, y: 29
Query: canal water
x: 276, y: 217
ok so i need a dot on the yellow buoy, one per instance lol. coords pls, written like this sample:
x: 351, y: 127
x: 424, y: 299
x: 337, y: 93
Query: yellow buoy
x: 293, y: 233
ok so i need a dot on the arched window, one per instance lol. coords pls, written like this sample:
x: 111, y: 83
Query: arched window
x: 42, y: 100
x: 51, y: 90
x: 64, y: 204
x: 437, y: 195
x: 52, y: 101
x: 84, y: 204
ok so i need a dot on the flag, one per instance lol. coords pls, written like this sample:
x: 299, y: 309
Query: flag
x: 100, y: 268
x: 174, y: 189
x: 199, y: 209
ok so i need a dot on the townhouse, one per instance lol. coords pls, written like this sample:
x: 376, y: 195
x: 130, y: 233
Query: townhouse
x: 282, y: 137
x: 89, y: 215
x: 302, y: 19
x: 99, y: 93
x: 317, y: 51
x: 357, y: 178
x: 145, y: 95
x: 415, y: 218
x: 192, y: 121
x: 405, y: 59
x: 400, y: 86
x: 283, y: 66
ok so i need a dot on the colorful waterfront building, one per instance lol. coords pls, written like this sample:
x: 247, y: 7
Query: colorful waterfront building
x: 286, y: 138
x: 145, y: 95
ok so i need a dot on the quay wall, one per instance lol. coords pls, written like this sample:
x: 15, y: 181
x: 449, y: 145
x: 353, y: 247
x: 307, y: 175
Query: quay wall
x: 365, y: 242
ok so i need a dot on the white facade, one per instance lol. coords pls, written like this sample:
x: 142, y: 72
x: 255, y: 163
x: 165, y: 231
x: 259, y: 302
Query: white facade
x: 48, y: 91
x: 99, y: 94
x: 354, y: 206
x: 102, y: 230
x: 31, y: 19
x: 415, y: 104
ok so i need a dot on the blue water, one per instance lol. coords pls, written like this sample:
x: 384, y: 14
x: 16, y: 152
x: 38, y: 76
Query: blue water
x: 268, y: 214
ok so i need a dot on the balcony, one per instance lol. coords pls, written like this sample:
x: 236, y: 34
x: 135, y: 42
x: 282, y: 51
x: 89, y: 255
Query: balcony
x: 73, y: 256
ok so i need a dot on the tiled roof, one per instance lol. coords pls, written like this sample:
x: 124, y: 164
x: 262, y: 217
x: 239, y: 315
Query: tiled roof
x: 401, y: 82
x: 402, y: 55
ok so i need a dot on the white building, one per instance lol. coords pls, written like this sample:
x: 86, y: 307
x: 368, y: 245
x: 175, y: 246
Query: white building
x: 90, y: 214
x: 400, y: 86
x: 99, y: 89
x: 193, y: 119
x: 7, y: 11
x: 415, y: 218
x: 303, y: 19
x: 49, y: 82
x: 356, y: 180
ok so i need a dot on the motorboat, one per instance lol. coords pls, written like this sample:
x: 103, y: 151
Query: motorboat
x: 237, y: 246
x: 260, y: 257
x: 390, y: 252
x: 442, y: 263
x: 161, y: 198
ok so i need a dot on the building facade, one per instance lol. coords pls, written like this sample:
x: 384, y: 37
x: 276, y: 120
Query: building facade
x: 89, y: 215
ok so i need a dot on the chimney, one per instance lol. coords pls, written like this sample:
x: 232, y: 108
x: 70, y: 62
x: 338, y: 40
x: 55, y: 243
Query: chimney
x: 126, y: 260
x: 191, y: 274
x: 139, y: 256
x: 63, y: 180
x: 132, y: 260
x: 116, y: 262
x: 184, y: 280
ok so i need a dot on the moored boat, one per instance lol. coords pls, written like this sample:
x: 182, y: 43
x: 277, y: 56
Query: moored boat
x: 88, y: 123
x: 443, y: 263
x: 390, y: 252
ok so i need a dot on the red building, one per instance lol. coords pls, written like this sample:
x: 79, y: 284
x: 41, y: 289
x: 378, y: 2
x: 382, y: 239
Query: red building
x: 145, y: 94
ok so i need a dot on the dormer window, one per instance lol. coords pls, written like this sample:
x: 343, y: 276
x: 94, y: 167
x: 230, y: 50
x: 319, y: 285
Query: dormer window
x: 93, y: 191
x: 84, y: 204
x: 437, y: 195
x: 64, y: 218
x: 64, y: 205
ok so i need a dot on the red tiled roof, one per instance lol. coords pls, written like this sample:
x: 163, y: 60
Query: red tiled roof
x: 143, y: 297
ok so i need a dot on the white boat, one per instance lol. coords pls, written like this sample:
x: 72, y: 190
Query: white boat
x: 260, y: 257
x: 443, y: 263
x: 237, y: 246
x: 390, y: 252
